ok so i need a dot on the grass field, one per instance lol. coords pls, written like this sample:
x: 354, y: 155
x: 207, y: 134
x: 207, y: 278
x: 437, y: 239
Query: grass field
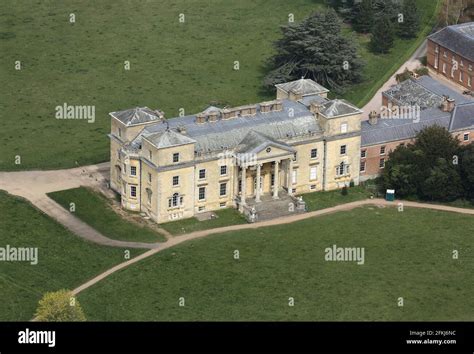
x: 323, y: 200
x: 173, y: 65
x: 407, y: 254
x: 94, y: 209
x: 64, y: 260
x: 225, y: 217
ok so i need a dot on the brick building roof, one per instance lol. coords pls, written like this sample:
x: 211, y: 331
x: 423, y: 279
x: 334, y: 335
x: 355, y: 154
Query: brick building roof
x: 457, y: 38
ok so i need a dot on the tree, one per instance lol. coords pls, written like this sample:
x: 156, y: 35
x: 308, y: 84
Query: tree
x: 383, y: 35
x: 59, y: 306
x: 390, y: 8
x: 315, y: 49
x: 442, y: 183
x: 428, y: 168
x: 466, y: 163
x: 400, y: 172
x: 411, y: 20
x: 336, y: 4
x: 363, y: 16
x: 436, y: 142
x: 455, y: 11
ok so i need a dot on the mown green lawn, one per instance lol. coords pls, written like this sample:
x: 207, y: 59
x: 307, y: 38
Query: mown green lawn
x: 173, y: 65
x: 64, y: 260
x: 323, y: 200
x: 225, y: 217
x: 94, y: 209
x: 407, y: 255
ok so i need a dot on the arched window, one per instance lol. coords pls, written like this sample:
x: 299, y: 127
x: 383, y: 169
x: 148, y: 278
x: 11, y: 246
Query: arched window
x: 341, y: 168
x: 175, y: 199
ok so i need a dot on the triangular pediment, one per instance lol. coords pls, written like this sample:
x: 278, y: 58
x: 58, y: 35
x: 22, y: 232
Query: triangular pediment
x: 255, y: 143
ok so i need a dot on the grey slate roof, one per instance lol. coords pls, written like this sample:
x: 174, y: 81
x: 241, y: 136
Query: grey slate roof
x: 169, y: 138
x: 428, y: 94
x: 337, y: 108
x: 227, y: 134
x: 387, y: 130
x: 463, y: 117
x: 138, y: 115
x: 303, y: 87
x: 457, y: 38
x: 306, y: 100
x: 254, y: 142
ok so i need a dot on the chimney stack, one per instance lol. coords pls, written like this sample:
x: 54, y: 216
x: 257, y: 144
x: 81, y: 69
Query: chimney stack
x: 200, y: 118
x: 373, y: 118
x: 448, y: 104
x: 182, y: 129
x: 451, y: 104
x: 315, y: 107
x: 213, y: 116
x: 160, y: 113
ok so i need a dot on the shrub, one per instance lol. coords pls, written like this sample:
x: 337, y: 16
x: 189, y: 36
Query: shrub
x: 59, y: 306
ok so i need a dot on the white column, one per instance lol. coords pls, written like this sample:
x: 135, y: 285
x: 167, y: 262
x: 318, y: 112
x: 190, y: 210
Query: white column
x: 290, y: 176
x: 242, y: 194
x: 257, y: 193
x: 275, y: 180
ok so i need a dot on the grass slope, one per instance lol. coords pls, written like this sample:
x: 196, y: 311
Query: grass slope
x: 173, y: 65
x: 225, y: 217
x: 323, y: 200
x: 64, y: 260
x: 94, y: 209
x: 407, y: 254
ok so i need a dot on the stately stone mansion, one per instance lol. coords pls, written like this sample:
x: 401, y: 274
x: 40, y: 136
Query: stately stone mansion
x: 236, y: 157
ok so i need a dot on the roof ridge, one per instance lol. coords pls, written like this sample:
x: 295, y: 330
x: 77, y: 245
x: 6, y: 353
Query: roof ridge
x: 411, y: 121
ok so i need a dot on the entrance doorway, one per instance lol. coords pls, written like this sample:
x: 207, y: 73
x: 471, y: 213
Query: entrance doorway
x: 255, y: 185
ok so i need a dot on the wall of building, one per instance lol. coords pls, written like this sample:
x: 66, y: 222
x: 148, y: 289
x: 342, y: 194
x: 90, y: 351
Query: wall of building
x: 373, y: 156
x: 464, y: 75
x: 211, y: 183
x: 373, y: 153
x: 303, y: 165
x: 129, y: 201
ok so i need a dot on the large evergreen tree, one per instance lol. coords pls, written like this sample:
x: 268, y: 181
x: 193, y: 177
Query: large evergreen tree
x: 363, y: 16
x: 466, y: 164
x: 316, y: 49
x: 434, y: 167
x: 383, y: 35
x: 411, y: 20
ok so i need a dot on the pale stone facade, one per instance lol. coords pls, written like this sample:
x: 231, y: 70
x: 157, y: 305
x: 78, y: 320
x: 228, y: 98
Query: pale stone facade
x: 172, y: 169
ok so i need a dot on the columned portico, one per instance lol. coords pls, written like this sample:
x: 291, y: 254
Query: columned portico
x: 258, y: 186
x: 276, y: 182
x: 289, y: 181
x: 243, y: 184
